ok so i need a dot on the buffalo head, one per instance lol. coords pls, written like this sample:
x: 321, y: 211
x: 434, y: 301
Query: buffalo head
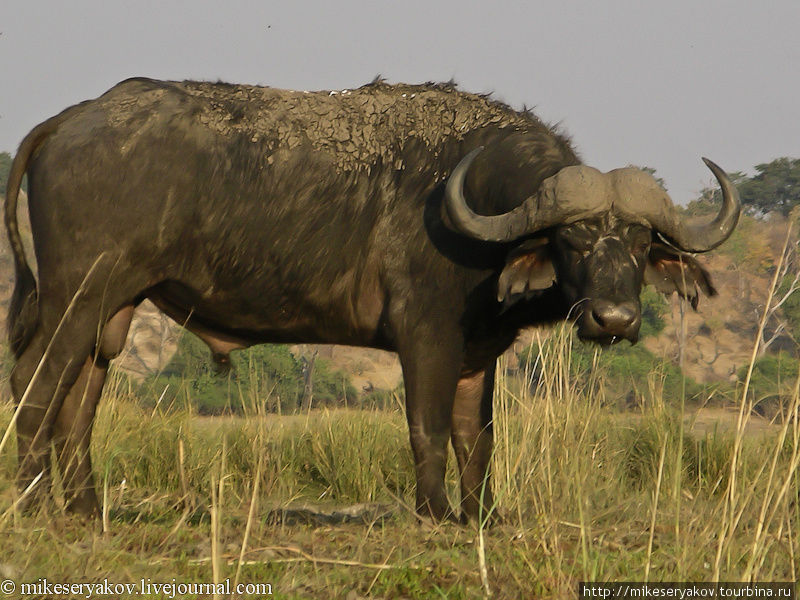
x: 600, y: 237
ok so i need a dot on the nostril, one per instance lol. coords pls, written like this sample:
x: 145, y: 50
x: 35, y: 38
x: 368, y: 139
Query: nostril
x: 628, y: 314
x: 598, y: 318
x: 614, y: 317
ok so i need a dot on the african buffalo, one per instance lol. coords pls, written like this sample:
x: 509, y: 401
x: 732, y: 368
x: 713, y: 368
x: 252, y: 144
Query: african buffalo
x: 419, y: 219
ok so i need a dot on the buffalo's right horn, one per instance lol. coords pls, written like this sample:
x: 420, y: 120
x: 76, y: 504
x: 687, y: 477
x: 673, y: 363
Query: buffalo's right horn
x: 496, y: 228
x: 575, y: 191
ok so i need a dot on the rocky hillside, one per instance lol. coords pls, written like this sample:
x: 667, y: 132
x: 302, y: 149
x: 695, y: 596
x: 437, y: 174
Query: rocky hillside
x: 711, y: 344
x: 714, y: 342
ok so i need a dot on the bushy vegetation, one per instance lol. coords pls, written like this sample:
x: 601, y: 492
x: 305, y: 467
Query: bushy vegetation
x: 628, y: 373
x: 772, y: 384
x: 654, y: 309
x: 267, y: 377
x: 749, y: 248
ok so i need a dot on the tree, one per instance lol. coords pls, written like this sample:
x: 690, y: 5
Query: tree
x: 775, y: 189
x: 708, y: 201
x: 307, y: 361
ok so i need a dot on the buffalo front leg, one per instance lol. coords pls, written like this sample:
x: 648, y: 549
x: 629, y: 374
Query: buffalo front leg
x: 73, y: 427
x: 430, y: 373
x: 473, y: 440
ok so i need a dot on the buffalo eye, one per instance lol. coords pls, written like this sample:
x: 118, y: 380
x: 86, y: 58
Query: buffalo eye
x: 641, y: 243
x: 580, y: 249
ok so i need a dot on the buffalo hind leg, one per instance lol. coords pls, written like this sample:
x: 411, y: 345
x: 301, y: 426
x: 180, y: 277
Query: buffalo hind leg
x: 430, y: 373
x: 472, y: 441
x: 73, y: 427
x: 33, y: 415
x: 44, y: 396
x: 46, y: 370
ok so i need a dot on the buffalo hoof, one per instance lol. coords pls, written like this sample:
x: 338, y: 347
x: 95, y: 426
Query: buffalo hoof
x: 483, y: 521
x: 438, y: 514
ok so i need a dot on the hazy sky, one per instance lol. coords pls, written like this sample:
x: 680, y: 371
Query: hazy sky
x: 633, y: 81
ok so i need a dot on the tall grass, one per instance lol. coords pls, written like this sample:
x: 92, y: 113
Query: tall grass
x: 597, y: 482
x: 584, y: 492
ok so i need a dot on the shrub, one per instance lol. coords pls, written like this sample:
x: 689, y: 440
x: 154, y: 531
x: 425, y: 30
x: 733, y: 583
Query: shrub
x: 772, y: 383
x: 626, y: 370
x: 654, y: 307
x: 264, y: 377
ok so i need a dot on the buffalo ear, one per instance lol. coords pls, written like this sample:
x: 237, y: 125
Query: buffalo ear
x: 529, y: 269
x: 673, y: 271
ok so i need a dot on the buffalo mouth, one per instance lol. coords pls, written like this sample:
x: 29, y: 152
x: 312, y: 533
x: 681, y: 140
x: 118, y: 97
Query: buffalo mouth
x: 606, y: 340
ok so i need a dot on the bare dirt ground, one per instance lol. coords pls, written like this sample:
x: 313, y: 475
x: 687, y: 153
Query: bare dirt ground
x: 707, y: 421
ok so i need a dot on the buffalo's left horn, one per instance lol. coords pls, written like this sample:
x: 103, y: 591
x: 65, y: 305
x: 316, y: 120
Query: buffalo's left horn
x: 702, y: 237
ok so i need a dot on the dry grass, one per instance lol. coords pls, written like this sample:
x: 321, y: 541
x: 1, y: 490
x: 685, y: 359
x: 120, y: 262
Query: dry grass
x: 584, y: 493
